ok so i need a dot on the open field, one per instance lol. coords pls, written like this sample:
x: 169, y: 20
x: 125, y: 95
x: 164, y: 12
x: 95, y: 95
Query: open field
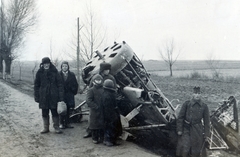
x: 180, y: 69
x: 205, y: 72
x: 155, y: 65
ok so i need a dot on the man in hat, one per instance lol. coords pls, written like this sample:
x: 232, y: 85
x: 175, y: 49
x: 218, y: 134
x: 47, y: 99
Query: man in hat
x: 104, y: 71
x: 48, y: 91
x: 193, y: 126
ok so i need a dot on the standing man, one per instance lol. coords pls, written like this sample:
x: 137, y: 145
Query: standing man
x: 104, y: 71
x: 70, y: 90
x: 193, y: 127
x: 48, y: 91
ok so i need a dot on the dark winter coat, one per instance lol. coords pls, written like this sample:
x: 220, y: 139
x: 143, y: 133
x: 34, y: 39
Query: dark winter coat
x: 48, y: 88
x: 189, y: 122
x: 70, y: 88
x: 111, y: 113
x: 93, y: 101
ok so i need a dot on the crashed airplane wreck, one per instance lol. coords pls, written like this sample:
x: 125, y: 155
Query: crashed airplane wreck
x: 145, y: 111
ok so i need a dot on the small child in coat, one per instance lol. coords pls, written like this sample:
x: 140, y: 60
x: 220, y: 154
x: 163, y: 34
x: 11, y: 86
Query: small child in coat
x: 93, y: 100
x: 112, y: 123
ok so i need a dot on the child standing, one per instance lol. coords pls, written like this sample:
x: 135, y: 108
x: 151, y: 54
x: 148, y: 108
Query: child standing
x: 93, y: 101
x: 112, y: 124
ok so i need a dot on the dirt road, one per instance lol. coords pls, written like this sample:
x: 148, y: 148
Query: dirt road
x: 20, y: 123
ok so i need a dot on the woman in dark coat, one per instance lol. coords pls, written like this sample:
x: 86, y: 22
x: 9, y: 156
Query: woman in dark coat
x: 192, y: 132
x: 93, y: 100
x: 48, y: 91
x: 70, y: 89
x: 112, y: 123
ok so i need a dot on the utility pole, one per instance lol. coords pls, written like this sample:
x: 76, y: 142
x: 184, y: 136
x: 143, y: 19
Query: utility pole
x: 1, y: 41
x: 1, y: 26
x: 78, y: 53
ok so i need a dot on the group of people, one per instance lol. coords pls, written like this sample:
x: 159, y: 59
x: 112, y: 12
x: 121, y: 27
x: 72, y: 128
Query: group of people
x: 52, y: 86
x: 104, y: 119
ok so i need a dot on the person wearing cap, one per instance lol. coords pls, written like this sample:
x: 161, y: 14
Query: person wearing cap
x: 70, y: 90
x: 48, y: 91
x: 93, y: 100
x: 112, y: 123
x: 193, y: 126
x: 104, y: 71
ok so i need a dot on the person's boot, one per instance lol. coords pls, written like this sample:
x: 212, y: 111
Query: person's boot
x: 95, y: 136
x: 45, y: 125
x: 67, y: 123
x: 101, y: 136
x: 56, y: 125
x: 108, y: 143
x: 88, y: 134
x: 61, y: 122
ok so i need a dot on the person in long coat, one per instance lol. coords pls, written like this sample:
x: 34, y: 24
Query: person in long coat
x: 48, y: 91
x: 70, y: 90
x: 193, y: 127
x: 93, y: 100
x: 104, y: 71
x: 112, y: 123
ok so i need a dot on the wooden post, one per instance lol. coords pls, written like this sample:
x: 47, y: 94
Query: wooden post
x: 1, y: 40
x: 78, y: 53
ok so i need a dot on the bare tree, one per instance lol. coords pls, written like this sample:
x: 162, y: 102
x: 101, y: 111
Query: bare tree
x: 55, y: 60
x: 18, y: 17
x: 214, y: 65
x: 169, y: 54
x: 92, y: 35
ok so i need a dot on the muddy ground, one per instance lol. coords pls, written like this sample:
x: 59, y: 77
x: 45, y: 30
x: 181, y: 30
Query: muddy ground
x: 20, y: 123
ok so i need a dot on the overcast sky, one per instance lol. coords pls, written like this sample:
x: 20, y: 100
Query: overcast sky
x: 198, y: 27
